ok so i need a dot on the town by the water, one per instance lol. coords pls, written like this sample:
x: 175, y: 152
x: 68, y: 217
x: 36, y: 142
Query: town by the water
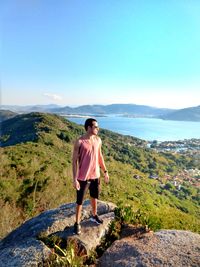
x: 190, y: 147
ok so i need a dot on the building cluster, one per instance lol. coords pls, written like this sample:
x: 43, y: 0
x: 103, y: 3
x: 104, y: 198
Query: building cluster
x: 189, y: 147
x: 180, y: 146
x: 190, y: 176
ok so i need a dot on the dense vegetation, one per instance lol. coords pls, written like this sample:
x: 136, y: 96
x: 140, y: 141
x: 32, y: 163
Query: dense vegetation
x: 36, y: 174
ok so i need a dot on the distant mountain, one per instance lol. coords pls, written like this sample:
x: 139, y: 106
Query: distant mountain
x: 134, y: 109
x: 6, y: 114
x: 121, y: 109
x: 128, y: 110
x: 30, y: 108
x: 186, y: 114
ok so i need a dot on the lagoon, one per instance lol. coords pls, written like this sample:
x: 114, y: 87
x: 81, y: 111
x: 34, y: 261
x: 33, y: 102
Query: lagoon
x: 148, y: 128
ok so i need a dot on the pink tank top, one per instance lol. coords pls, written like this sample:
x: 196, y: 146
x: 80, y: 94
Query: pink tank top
x: 89, y: 159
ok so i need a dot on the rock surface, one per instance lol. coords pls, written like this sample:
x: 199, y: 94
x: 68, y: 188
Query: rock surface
x: 136, y: 247
x: 91, y: 233
x: 22, y: 247
x: 163, y: 248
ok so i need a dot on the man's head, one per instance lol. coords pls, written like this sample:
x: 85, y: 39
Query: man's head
x: 91, y: 126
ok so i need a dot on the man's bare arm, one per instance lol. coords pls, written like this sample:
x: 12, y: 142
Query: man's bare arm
x: 103, y: 166
x: 75, y: 164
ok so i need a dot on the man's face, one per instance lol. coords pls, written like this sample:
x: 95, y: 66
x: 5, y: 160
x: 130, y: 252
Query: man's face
x: 94, y: 128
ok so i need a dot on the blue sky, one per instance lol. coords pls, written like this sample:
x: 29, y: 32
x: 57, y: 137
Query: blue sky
x: 100, y: 52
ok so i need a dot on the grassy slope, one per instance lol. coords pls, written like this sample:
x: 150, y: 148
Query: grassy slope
x: 36, y: 173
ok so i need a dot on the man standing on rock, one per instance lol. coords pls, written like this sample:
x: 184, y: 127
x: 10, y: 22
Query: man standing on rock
x: 87, y: 161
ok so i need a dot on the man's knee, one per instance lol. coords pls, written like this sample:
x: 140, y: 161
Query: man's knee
x: 79, y: 202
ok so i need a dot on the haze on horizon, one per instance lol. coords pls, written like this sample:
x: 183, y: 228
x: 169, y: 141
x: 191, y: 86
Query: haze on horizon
x: 74, y: 53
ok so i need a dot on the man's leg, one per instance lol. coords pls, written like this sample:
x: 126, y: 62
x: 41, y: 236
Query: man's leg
x: 93, y: 202
x: 78, y: 213
x: 94, y: 195
x: 79, y: 201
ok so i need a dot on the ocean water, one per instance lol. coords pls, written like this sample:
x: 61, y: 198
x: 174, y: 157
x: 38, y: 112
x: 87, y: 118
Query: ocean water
x: 147, y: 128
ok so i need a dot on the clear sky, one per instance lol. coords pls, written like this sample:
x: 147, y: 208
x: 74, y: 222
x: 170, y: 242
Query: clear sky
x: 76, y: 52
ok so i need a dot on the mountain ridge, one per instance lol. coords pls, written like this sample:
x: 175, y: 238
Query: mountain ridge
x: 131, y: 110
x: 186, y: 114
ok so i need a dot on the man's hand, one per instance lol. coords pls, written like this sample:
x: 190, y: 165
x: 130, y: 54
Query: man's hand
x: 76, y: 184
x: 106, y: 177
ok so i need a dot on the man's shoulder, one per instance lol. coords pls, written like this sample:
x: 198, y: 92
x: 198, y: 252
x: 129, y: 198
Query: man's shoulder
x: 81, y: 139
x: 78, y: 140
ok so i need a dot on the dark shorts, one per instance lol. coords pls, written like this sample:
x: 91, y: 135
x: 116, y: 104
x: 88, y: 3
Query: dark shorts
x: 92, y: 185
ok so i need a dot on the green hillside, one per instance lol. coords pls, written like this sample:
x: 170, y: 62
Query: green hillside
x: 36, y: 174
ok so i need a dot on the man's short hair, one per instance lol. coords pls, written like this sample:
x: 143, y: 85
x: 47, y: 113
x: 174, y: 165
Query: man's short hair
x: 89, y: 122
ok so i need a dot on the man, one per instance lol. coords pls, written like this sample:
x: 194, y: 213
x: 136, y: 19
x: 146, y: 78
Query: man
x: 87, y: 161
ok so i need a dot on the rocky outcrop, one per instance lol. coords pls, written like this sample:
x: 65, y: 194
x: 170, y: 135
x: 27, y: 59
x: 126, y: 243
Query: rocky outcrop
x: 163, y: 248
x: 136, y: 246
x: 23, y: 248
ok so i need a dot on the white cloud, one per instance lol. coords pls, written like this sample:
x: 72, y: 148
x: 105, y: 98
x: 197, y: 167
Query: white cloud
x: 53, y: 96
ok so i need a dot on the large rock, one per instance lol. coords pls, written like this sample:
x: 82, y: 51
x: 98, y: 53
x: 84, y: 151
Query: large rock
x: 91, y: 233
x: 163, y: 248
x: 135, y: 248
x: 23, y: 248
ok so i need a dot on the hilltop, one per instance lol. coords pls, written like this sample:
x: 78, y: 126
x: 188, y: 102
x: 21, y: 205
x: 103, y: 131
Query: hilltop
x: 6, y: 114
x: 36, y: 173
x: 36, y: 127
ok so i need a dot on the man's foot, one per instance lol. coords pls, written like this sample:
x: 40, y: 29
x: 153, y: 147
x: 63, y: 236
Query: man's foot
x: 77, y: 229
x: 96, y: 219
